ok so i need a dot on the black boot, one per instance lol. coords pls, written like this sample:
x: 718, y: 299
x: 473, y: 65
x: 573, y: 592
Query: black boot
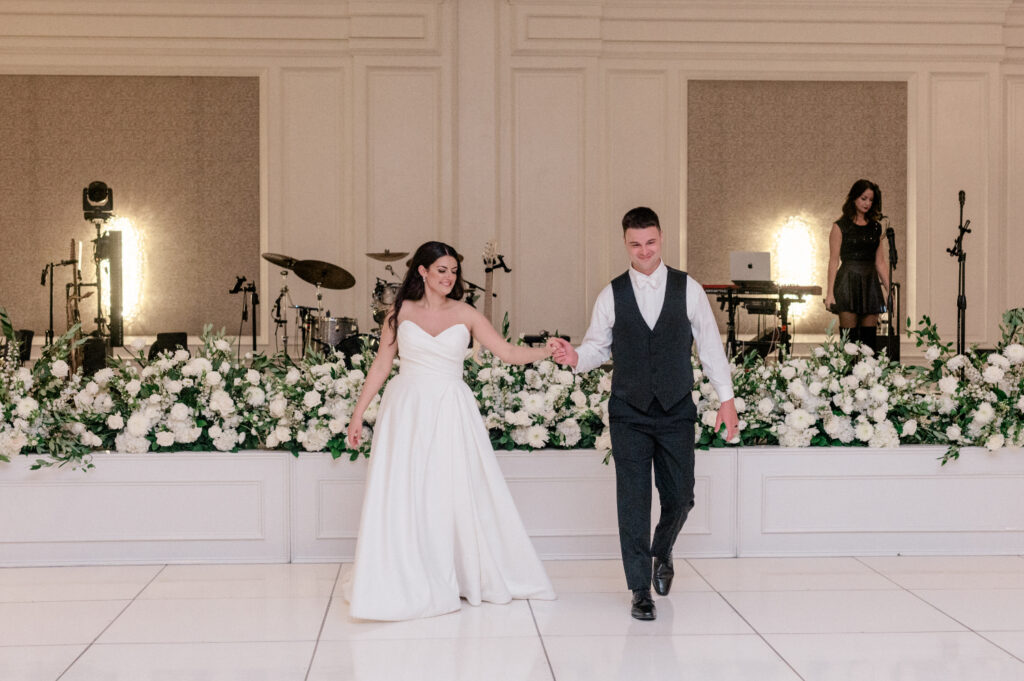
x: 869, y: 337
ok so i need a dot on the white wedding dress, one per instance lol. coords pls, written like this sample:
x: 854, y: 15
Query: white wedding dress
x: 438, y: 520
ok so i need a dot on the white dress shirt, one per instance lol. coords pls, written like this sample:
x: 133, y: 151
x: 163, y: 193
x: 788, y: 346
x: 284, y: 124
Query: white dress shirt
x: 650, y: 296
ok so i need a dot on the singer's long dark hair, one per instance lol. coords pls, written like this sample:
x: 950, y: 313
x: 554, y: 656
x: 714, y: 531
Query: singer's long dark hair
x: 412, y: 286
x: 874, y: 214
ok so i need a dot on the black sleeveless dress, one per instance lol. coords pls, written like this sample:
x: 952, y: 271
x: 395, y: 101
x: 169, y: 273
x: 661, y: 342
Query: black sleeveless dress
x: 857, y: 287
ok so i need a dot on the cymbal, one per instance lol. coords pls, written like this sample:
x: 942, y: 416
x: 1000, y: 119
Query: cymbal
x: 284, y: 261
x: 324, y: 274
x: 387, y: 256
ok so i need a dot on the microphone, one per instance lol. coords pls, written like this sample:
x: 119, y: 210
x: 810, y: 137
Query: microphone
x: 962, y: 197
x: 238, y: 285
x: 890, y: 234
x: 966, y: 225
x: 42, y: 281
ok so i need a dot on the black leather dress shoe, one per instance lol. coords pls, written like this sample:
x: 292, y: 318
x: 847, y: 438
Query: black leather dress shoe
x: 643, y: 605
x: 662, y: 577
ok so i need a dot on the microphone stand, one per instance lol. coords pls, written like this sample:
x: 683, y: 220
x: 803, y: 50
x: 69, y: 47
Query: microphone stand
x: 48, y: 270
x: 893, y: 341
x: 250, y: 289
x: 957, y: 251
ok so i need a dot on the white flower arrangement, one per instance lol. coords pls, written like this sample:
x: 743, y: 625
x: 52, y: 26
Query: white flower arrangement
x: 843, y: 394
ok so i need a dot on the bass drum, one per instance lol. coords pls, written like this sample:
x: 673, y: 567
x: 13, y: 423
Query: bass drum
x: 331, y: 331
x: 358, y: 344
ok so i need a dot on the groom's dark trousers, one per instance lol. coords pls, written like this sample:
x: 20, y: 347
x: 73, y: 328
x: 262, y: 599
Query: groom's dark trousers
x: 640, y: 438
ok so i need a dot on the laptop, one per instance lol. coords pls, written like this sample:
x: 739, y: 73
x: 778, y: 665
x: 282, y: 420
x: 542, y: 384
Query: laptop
x: 752, y: 269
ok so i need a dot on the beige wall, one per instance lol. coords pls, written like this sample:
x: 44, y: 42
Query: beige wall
x: 182, y: 157
x: 539, y: 122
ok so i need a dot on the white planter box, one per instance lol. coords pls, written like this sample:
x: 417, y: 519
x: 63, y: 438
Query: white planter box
x: 565, y: 498
x: 273, y: 507
x: 857, y: 501
x: 147, y: 508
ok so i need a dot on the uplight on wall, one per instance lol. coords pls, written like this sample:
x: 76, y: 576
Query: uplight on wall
x: 133, y: 263
x: 797, y: 259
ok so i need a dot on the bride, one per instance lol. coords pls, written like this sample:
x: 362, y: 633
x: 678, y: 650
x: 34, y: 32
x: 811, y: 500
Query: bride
x: 438, y: 521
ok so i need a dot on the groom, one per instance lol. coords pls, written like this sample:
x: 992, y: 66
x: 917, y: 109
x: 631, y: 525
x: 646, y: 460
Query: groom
x: 647, y: 319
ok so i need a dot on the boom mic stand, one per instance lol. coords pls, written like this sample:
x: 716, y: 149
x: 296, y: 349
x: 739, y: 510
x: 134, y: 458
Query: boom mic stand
x: 48, y: 269
x: 957, y: 251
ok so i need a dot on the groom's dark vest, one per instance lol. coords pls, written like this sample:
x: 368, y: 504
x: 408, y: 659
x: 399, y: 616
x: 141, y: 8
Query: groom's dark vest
x: 651, y: 364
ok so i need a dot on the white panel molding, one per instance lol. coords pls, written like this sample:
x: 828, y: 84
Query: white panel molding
x: 1013, y: 177
x: 960, y: 141
x: 149, y: 508
x: 534, y: 245
x: 798, y: 29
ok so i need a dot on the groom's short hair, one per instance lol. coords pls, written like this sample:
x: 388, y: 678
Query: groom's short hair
x: 640, y: 217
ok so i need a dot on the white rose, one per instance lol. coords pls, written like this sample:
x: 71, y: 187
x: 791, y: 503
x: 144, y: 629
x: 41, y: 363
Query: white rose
x: 740, y: 404
x: 278, y: 405
x: 255, y: 397
x: 932, y: 353
x: 909, y: 428
x: 60, y: 368
x: 292, y: 377
x: 765, y: 406
x: 283, y: 433
x: 984, y: 414
x: 165, y: 438
x: 311, y: 399
x: 708, y: 418
x: 851, y: 348
x: 222, y: 345
x: 103, y: 376
x: 132, y: 387
x: 213, y: 378
x: 179, y: 412
x: 995, y: 442
x: 138, y: 425
x: 955, y: 363
x: 788, y: 372
x: 947, y: 384
x: 864, y: 430
x: 252, y: 376
x: 115, y: 422
x: 953, y: 433
x: 25, y: 407
x: 180, y: 356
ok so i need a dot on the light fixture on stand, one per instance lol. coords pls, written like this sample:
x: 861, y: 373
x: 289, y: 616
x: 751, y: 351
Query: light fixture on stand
x: 98, y: 208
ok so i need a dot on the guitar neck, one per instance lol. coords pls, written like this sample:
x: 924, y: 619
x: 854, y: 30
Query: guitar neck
x: 488, y: 297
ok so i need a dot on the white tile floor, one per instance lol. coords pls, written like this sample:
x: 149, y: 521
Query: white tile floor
x: 751, y: 619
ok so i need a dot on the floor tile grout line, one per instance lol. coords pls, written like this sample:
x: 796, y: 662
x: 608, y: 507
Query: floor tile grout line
x: 540, y: 636
x: 760, y: 635
x: 323, y: 622
x: 111, y: 623
x: 940, y: 610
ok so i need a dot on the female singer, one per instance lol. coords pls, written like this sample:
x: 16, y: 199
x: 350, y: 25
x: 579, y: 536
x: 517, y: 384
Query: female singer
x: 855, y: 287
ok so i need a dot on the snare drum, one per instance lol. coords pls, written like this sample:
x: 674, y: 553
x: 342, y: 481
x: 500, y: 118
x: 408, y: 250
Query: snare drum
x: 330, y: 331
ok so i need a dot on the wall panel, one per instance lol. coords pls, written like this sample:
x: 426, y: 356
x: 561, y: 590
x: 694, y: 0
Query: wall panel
x: 959, y: 145
x: 548, y: 142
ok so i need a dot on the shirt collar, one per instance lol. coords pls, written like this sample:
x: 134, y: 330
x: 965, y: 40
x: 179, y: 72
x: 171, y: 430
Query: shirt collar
x: 655, y: 280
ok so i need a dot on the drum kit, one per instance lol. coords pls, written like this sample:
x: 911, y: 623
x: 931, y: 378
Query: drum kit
x: 318, y: 329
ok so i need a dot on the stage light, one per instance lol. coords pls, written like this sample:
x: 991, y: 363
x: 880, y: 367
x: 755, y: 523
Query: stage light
x: 97, y: 201
x: 132, y: 267
x: 796, y: 258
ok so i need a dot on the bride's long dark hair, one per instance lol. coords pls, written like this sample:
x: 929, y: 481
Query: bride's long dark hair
x: 412, y: 286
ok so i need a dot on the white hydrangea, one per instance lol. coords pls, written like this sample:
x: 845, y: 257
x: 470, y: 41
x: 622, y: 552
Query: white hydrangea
x: 570, y: 432
x: 25, y: 407
x: 947, y: 384
x: 138, y: 425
